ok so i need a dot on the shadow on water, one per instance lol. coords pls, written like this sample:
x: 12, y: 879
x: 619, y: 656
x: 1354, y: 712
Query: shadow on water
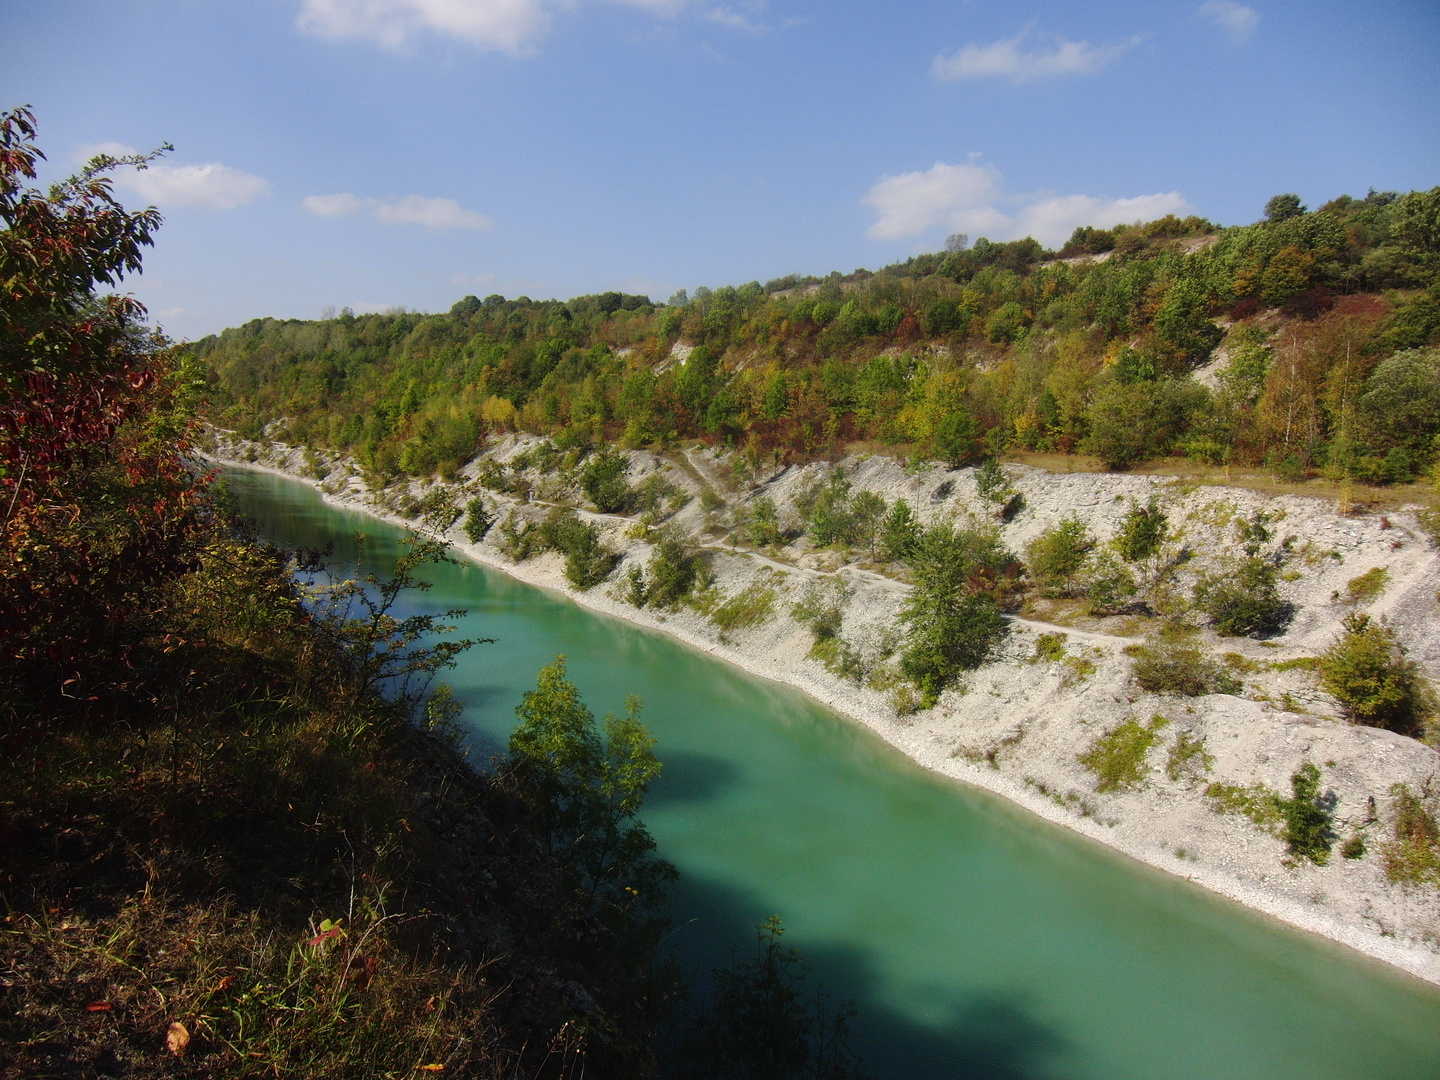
x: 692, y: 777
x: 988, y: 1035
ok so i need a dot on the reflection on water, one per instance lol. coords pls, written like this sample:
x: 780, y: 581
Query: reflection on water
x: 977, y: 940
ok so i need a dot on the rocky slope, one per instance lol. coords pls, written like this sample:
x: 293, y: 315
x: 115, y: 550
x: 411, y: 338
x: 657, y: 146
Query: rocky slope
x: 1062, y: 681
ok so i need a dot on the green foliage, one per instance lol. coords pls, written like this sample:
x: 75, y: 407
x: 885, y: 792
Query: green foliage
x: 1261, y: 804
x: 1110, y: 587
x: 752, y: 606
x: 603, y: 481
x: 1283, y: 207
x: 1367, y: 586
x: 761, y: 526
x: 1142, y: 533
x: 1243, y: 598
x: 762, y: 1022
x: 900, y: 533
x: 675, y: 569
x: 478, y: 520
x: 1057, y: 558
x: 587, y: 560
x: 952, y: 617
x: 1307, y: 819
x: 1188, y: 758
x: 585, y: 784
x: 1412, y: 855
x: 1366, y: 670
x: 1118, y: 758
x: 1171, y: 667
x: 1050, y: 648
x: 382, y: 650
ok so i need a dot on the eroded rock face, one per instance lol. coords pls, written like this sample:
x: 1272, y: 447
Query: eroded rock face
x: 1062, y: 681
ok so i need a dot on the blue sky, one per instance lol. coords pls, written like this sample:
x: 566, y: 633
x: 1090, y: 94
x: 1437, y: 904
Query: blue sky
x: 378, y: 153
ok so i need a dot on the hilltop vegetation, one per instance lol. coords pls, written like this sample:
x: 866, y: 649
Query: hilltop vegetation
x: 1314, y: 335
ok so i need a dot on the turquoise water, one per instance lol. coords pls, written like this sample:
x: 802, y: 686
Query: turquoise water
x: 977, y: 941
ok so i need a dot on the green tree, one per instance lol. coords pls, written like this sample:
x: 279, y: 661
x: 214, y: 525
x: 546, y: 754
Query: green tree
x: 1308, y: 821
x: 1243, y: 598
x: 1142, y: 533
x: 900, y: 533
x: 1283, y: 207
x: 1056, y: 559
x: 478, y: 520
x: 586, y: 783
x: 1367, y: 671
x: 603, y: 480
x: 952, y: 617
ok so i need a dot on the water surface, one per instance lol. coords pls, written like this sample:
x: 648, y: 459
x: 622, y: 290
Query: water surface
x: 977, y: 940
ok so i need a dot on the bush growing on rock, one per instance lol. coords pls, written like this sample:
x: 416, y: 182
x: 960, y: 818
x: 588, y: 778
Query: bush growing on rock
x: 1243, y: 598
x: 952, y: 613
x: 603, y: 480
x: 1367, y: 671
x: 1056, y: 559
x: 1171, y: 667
x: 900, y: 534
x: 478, y: 520
x: 1118, y: 758
x: 587, y: 561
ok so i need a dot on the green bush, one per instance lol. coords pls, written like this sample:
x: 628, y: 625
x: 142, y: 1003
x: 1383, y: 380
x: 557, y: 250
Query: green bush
x: 1369, y: 585
x: 603, y: 480
x: 1307, y: 820
x: 900, y: 533
x: 1242, y: 598
x: 1367, y: 671
x: 1117, y: 758
x: 478, y: 520
x: 1109, y: 586
x: 1056, y: 559
x: 1171, y: 667
x: 952, y: 614
x: 587, y: 561
x: 1257, y: 802
x: 675, y: 570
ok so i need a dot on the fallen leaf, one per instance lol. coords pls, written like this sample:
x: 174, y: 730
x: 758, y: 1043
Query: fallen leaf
x: 176, y: 1038
x: 98, y: 1006
x: 225, y: 983
x: 436, y: 1067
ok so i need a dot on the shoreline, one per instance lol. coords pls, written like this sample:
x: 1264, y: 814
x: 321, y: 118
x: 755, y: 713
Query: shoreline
x: 1414, y: 959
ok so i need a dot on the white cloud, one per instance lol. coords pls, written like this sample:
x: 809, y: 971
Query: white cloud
x: 1004, y: 59
x: 736, y: 20
x: 1237, y: 20
x: 964, y: 198
x: 215, y: 186
x: 407, y: 210
x: 509, y: 26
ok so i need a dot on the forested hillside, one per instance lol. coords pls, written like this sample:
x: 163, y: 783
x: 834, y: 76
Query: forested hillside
x: 1304, y: 343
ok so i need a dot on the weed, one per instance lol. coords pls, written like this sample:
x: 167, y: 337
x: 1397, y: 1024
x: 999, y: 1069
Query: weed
x: 1170, y: 667
x: 1258, y: 802
x: 1188, y: 759
x: 752, y: 606
x: 1298, y: 663
x: 1050, y: 648
x: 1412, y: 856
x: 1369, y: 585
x: 1117, y: 758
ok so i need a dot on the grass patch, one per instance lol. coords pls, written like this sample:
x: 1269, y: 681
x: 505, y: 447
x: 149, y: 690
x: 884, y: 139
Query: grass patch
x: 1369, y: 585
x: 752, y: 606
x: 1412, y: 855
x: 1258, y: 802
x: 1298, y: 663
x: 1188, y: 759
x: 1049, y: 648
x: 1117, y: 758
x: 1171, y: 667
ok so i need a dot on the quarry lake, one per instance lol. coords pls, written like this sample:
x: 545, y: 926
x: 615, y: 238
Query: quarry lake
x: 976, y: 940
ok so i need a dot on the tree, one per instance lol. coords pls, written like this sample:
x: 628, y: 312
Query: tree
x: 1283, y: 207
x: 1367, y: 671
x: 101, y: 507
x: 603, y: 480
x: 586, y: 785
x: 900, y: 533
x: 1243, y: 598
x: 952, y: 614
x: 1057, y: 558
x: 1142, y: 533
